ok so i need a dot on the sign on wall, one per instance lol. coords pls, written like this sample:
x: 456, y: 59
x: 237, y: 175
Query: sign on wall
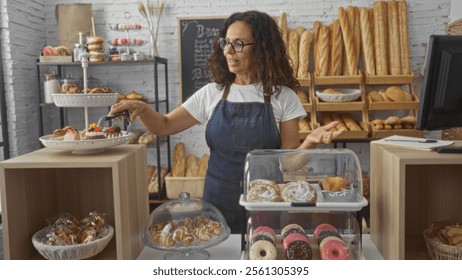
x: 195, y: 37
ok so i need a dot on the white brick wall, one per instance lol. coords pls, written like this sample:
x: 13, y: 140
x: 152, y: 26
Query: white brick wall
x: 33, y: 24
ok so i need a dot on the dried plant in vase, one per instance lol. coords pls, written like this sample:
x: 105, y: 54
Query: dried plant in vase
x: 152, y: 14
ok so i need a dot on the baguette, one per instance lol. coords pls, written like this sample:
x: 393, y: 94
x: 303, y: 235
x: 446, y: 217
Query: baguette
x: 336, y: 60
x: 347, y: 41
x: 350, y: 122
x: 404, y: 39
x: 293, y: 49
x: 316, y: 27
x: 303, y: 125
x: 192, y: 169
x: 341, y: 125
x: 282, y: 23
x: 304, y: 54
x: 324, y: 51
x: 394, y: 45
x: 300, y: 29
x: 203, y: 165
x: 380, y: 37
x: 357, y: 35
x: 367, y: 42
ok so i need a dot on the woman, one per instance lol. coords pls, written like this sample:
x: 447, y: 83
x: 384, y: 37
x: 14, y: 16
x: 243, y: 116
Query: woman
x: 251, y: 104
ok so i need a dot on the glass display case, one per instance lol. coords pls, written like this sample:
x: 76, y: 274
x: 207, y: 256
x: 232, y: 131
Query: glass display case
x: 302, y: 191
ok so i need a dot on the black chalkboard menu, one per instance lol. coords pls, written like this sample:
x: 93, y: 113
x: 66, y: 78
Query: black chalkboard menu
x: 195, y: 37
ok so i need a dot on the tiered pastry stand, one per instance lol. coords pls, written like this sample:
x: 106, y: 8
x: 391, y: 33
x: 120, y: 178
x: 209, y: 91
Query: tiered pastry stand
x: 85, y: 100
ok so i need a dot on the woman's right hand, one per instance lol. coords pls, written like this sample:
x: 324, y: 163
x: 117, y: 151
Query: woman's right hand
x: 135, y: 107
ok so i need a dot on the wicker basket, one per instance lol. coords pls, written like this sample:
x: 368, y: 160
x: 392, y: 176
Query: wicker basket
x: 440, y: 251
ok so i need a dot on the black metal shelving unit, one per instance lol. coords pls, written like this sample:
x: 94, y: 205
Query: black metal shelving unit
x: 157, y: 62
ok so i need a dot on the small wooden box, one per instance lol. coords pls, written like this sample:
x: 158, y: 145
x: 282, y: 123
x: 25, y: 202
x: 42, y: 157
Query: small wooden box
x: 38, y: 185
x: 174, y: 186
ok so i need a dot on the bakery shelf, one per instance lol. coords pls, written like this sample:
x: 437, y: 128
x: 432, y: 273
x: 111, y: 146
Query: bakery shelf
x: 343, y: 106
x: 388, y: 80
x: 382, y: 133
x: 403, y: 105
x: 304, y: 82
x: 337, y: 80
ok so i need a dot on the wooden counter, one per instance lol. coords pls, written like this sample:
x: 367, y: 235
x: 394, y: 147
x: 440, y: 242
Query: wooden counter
x: 409, y: 189
x: 38, y: 185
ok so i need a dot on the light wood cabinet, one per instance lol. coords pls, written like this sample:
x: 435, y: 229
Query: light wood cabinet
x: 38, y: 185
x: 410, y: 189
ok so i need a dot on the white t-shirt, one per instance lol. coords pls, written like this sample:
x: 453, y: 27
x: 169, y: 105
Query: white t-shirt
x: 286, y: 106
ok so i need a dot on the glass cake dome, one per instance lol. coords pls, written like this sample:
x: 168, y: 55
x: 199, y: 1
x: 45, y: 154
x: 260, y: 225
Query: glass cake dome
x: 185, y: 228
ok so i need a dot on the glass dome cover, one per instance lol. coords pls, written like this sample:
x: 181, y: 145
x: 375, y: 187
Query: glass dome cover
x: 186, y: 224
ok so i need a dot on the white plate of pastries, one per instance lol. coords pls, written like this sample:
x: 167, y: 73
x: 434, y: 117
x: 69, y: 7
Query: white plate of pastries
x: 338, y: 94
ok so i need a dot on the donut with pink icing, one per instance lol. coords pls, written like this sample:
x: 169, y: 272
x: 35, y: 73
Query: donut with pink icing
x: 264, y: 232
x: 320, y: 228
x: 334, y: 250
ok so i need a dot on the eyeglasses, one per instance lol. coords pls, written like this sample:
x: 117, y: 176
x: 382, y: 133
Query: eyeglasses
x: 237, y: 45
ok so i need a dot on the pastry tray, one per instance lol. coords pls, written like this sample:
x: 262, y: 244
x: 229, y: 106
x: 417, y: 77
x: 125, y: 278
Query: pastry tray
x: 84, y: 99
x: 83, y: 146
x: 355, y: 202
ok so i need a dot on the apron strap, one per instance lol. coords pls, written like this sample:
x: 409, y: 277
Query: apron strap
x: 226, y: 93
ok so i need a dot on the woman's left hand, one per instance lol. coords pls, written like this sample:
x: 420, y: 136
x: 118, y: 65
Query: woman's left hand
x: 321, y: 135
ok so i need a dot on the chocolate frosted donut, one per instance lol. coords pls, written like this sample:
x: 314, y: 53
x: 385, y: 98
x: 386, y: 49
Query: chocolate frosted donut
x: 263, y: 236
x: 299, y: 250
x: 328, y: 232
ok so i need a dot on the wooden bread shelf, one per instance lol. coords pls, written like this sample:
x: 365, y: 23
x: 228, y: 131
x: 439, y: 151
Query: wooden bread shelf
x: 337, y: 80
x: 403, y: 105
x: 304, y: 82
x: 339, y: 106
x: 382, y: 133
x: 388, y: 80
x: 356, y: 134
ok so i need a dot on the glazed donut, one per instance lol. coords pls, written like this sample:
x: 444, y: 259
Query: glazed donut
x: 290, y: 226
x: 334, y: 250
x: 262, y: 250
x: 299, y: 191
x: 299, y: 250
x: 320, y: 228
x: 263, y: 191
x: 326, y: 233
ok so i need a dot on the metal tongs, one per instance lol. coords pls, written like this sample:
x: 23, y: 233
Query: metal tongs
x: 124, y: 114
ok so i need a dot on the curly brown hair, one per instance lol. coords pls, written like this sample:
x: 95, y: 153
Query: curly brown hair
x: 273, y: 66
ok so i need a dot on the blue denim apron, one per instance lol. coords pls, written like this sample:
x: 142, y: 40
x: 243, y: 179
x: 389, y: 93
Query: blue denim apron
x: 233, y: 130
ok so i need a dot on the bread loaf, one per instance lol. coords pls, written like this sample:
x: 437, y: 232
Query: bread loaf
x: 324, y: 51
x: 341, y: 125
x: 304, y: 54
x: 375, y: 96
x: 192, y: 166
x: 394, y: 45
x: 347, y: 41
x: 282, y: 23
x: 316, y: 27
x: 357, y: 35
x: 367, y: 42
x: 392, y: 120
x: 293, y: 49
x: 380, y: 37
x: 350, y: 122
x: 300, y: 29
x: 179, y: 160
x: 303, y: 125
x: 336, y: 60
x: 404, y: 40
x: 396, y: 94
x: 204, y: 163
x: 302, y: 96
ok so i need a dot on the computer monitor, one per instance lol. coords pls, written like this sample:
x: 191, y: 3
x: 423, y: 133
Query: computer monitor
x: 441, y: 96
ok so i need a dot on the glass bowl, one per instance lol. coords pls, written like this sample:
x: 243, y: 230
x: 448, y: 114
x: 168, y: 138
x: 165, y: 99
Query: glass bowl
x: 185, y: 228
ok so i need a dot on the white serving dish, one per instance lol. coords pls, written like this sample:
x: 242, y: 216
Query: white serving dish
x: 71, y: 252
x: 84, y: 99
x: 349, y: 94
x: 83, y: 146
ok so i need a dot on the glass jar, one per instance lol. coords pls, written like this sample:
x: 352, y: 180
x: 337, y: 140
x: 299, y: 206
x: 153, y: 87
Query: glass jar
x: 50, y: 85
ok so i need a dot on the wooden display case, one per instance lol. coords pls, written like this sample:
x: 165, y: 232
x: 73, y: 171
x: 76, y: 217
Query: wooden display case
x: 410, y: 189
x: 43, y: 183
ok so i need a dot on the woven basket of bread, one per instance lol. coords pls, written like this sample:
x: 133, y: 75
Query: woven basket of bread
x: 440, y: 251
x: 454, y: 28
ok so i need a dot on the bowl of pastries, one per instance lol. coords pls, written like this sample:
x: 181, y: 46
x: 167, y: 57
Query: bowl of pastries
x: 69, y: 238
x: 444, y: 240
x: 185, y: 227
x: 338, y: 94
x: 336, y: 188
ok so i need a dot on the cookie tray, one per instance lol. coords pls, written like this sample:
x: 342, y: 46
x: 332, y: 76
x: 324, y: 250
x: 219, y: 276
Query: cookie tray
x: 355, y: 203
